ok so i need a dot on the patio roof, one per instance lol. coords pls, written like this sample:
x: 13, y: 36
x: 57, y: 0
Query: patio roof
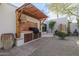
x: 28, y: 9
x: 32, y: 11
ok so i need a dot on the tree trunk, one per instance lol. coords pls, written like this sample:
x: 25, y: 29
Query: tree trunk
x: 57, y: 16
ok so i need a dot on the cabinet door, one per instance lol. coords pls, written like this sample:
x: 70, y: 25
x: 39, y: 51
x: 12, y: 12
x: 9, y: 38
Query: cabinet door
x: 27, y: 37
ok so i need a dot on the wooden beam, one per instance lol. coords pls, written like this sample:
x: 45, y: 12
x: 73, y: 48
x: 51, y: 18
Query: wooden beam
x: 17, y: 25
x: 41, y: 21
x: 18, y: 15
x: 26, y: 13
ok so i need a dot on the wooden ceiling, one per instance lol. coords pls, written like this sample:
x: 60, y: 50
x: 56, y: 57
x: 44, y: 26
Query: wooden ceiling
x: 32, y: 11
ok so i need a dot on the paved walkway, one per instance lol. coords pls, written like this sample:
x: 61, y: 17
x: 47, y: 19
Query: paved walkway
x: 44, y: 34
x: 56, y: 47
x: 47, y: 46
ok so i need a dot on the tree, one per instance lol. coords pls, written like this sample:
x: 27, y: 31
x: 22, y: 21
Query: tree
x: 58, y: 8
x: 77, y: 18
x: 67, y: 9
x: 55, y: 8
x: 51, y: 25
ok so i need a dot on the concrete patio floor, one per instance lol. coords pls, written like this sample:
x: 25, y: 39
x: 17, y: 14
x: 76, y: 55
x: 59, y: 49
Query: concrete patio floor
x: 47, y: 46
x: 56, y: 47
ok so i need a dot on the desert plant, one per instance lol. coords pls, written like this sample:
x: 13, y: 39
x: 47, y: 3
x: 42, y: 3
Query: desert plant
x: 51, y: 25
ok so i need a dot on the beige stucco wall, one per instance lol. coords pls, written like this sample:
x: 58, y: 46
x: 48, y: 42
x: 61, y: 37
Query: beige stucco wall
x: 7, y: 18
x: 31, y: 19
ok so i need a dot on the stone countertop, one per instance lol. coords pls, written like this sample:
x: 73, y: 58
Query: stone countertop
x: 26, y: 32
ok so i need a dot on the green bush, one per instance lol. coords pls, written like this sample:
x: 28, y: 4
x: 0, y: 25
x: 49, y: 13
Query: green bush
x: 62, y: 35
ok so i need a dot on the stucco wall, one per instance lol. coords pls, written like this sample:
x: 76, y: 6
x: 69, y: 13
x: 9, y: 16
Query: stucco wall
x: 63, y: 21
x: 58, y: 21
x: 7, y: 18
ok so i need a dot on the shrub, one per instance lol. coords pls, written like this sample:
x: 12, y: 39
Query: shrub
x: 62, y: 35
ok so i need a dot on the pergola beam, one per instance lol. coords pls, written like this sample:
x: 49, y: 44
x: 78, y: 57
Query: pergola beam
x: 18, y: 15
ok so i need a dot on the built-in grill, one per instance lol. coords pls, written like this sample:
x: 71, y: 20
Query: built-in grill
x: 35, y: 32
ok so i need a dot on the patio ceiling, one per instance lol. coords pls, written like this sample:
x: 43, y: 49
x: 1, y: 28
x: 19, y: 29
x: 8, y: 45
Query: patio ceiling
x: 32, y: 11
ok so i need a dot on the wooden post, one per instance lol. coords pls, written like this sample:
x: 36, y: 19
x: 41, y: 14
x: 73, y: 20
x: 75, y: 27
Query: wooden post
x: 18, y: 15
x: 17, y: 25
x: 41, y: 24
